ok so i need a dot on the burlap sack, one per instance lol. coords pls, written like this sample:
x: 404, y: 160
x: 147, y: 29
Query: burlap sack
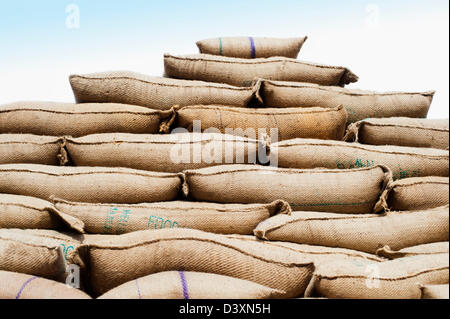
x: 21, y: 286
x: 30, y: 149
x: 214, y: 218
x: 242, y: 72
x: 57, y: 119
x: 359, y: 104
x: 424, y: 249
x: 89, y: 184
x: 161, y: 153
x: 34, y: 213
x: 401, y: 131
x: 155, y: 92
x: 365, y: 233
x: 403, y: 161
x: 435, y: 291
x: 250, y: 47
x: 119, y: 259
x: 289, y: 123
x: 39, y: 253
x: 393, y: 279
x: 416, y: 193
x: 190, y: 285
x: 341, y: 191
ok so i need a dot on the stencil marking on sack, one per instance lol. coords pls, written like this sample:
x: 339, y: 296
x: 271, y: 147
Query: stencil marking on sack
x: 155, y: 222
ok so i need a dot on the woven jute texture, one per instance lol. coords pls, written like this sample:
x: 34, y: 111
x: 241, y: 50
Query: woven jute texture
x: 416, y: 193
x: 435, y: 291
x: 242, y: 72
x: 30, y: 149
x: 401, y: 131
x: 359, y: 104
x: 403, y: 161
x: 424, y: 249
x: 341, y: 191
x: 190, y: 285
x: 57, y: 119
x: 314, y: 122
x: 14, y: 285
x: 119, y: 259
x: 43, y: 253
x: 155, y: 92
x: 249, y: 47
x: 366, y: 233
x: 89, y: 184
x: 29, y: 212
x: 214, y: 218
x: 161, y: 153
x: 393, y: 279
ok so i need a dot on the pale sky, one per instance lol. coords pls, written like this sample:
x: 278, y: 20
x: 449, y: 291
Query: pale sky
x: 390, y: 45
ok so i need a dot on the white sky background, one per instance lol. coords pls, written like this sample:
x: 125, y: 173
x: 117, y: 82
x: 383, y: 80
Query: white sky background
x: 388, y: 52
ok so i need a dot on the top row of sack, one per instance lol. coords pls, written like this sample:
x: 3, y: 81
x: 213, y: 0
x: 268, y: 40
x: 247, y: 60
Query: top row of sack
x: 252, y: 48
x: 238, y: 61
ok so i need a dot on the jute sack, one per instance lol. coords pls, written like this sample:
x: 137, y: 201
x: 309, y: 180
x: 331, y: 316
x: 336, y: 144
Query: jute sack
x: 285, y: 124
x: 393, y: 279
x: 31, y: 149
x: 416, y: 193
x: 403, y: 161
x: 28, y: 212
x: 359, y: 104
x: 366, y: 233
x: 435, y: 291
x: 214, y: 218
x: 14, y: 285
x: 39, y: 253
x: 58, y: 119
x: 121, y: 258
x: 242, y: 72
x: 155, y: 92
x: 341, y: 191
x: 190, y: 285
x: 89, y: 184
x: 401, y: 131
x: 161, y: 153
x: 250, y: 47
x: 424, y: 249
x: 319, y: 254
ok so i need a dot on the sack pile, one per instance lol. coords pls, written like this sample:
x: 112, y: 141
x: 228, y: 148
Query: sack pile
x: 243, y: 173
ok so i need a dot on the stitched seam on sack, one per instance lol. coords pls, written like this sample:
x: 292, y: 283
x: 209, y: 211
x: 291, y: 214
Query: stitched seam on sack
x: 55, y: 143
x: 84, y: 173
x: 249, y: 209
x: 32, y: 244
x: 252, y: 111
x: 307, y: 219
x: 81, y: 113
x: 280, y: 170
x: 417, y: 183
x: 349, y: 93
x: 385, y: 279
x: 256, y: 62
x: 143, y: 243
x: 165, y: 84
x: 315, y: 252
x: 24, y: 206
x: 431, y: 157
x: 250, y: 142
x: 406, y: 126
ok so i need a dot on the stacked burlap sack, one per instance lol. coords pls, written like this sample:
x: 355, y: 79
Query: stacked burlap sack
x: 276, y: 182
